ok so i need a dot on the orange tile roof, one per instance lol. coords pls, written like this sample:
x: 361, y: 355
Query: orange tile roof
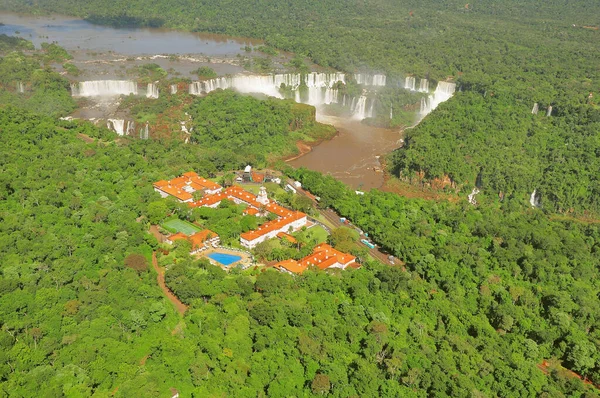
x: 258, y: 177
x: 290, y: 238
x: 290, y: 265
x: 251, y: 211
x: 178, y: 236
x: 175, y: 187
x: 209, y: 200
x: 199, y: 238
x: 177, y: 192
x: 324, y: 256
x: 271, y: 226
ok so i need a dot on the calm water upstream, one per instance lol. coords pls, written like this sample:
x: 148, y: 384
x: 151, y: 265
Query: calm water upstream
x: 76, y: 34
x: 104, y: 53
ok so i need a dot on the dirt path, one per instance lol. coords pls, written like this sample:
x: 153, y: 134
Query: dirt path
x: 181, y: 308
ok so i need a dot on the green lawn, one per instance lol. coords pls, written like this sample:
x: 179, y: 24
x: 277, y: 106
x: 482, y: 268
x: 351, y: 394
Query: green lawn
x: 176, y: 225
x: 317, y: 232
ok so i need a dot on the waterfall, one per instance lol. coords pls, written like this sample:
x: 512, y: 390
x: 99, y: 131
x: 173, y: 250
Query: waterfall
x: 370, y: 80
x: 425, y: 108
x: 535, y: 109
x: 534, y: 199
x: 409, y: 83
x: 549, y: 112
x: 312, y: 88
x: 173, y: 89
x: 391, y: 113
x: 130, y: 127
x: 370, y: 113
x: 424, y: 86
x: 96, y: 88
x: 20, y: 87
x: 359, y: 107
x: 344, y: 101
x: 144, y: 132
x: 116, y: 125
x: 471, y: 196
x: 152, y: 91
x: 443, y: 92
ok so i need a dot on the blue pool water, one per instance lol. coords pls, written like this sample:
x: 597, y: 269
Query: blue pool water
x: 225, y: 259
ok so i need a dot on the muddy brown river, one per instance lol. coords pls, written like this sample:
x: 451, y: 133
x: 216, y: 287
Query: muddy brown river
x: 351, y: 157
x: 103, y: 52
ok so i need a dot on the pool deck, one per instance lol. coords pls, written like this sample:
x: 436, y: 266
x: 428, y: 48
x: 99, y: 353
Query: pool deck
x: 245, y: 260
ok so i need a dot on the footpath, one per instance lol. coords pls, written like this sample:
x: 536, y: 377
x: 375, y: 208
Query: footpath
x: 181, y: 308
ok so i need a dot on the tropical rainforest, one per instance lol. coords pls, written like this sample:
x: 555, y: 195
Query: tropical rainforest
x: 499, y: 299
x: 485, y: 296
x: 505, y: 57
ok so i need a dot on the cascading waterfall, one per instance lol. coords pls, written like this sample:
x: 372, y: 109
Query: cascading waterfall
x: 152, y: 91
x: 20, y: 87
x: 391, y: 112
x: 358, y: 107
x: 549, y: 111
x: 443, y: 92
x: 410, y: 83
x: 313, y: 88
x: 534, y: 199
x: 130, y: 127
x: 370, y: 80
x: 173, y: 89
x: 117, y: 125
x: 144, y: 132
x: 96, y: 88
x: 424, y: 86
x: 535, y: 109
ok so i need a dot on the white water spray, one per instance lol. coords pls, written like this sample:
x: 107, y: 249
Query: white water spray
x: 105, y: 88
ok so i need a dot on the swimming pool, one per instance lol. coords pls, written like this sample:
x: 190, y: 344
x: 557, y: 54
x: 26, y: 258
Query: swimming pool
x: 224, y: 258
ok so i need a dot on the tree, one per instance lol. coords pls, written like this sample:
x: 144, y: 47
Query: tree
x: 320, y: 384
x: 137, y: 262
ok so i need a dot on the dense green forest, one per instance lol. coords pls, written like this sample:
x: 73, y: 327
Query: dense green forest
x: 558, y: 156
x: 511, y: 53
x: 486, y: 296
x: 43, y: 90
x: 266, y: 129
x: 480, y: 297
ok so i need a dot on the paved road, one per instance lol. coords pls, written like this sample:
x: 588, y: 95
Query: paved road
x: 334, y: 219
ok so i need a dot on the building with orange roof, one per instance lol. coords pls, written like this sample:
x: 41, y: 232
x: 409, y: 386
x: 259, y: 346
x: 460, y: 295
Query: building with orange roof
x: 257, y: 205
x: 251, y: 211
x: 286, y: 236
x: 323, y: 257
x: 184, y: 186
x: 270, y: 229
x: 199, y: 240
x: 290, y: 266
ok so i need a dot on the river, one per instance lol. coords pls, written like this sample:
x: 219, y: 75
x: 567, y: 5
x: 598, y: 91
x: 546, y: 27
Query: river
x: 103, y: 52
x: 352, y: 156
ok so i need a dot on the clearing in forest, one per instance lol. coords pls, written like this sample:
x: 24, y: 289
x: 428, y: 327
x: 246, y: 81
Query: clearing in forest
x: 176, y: 225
